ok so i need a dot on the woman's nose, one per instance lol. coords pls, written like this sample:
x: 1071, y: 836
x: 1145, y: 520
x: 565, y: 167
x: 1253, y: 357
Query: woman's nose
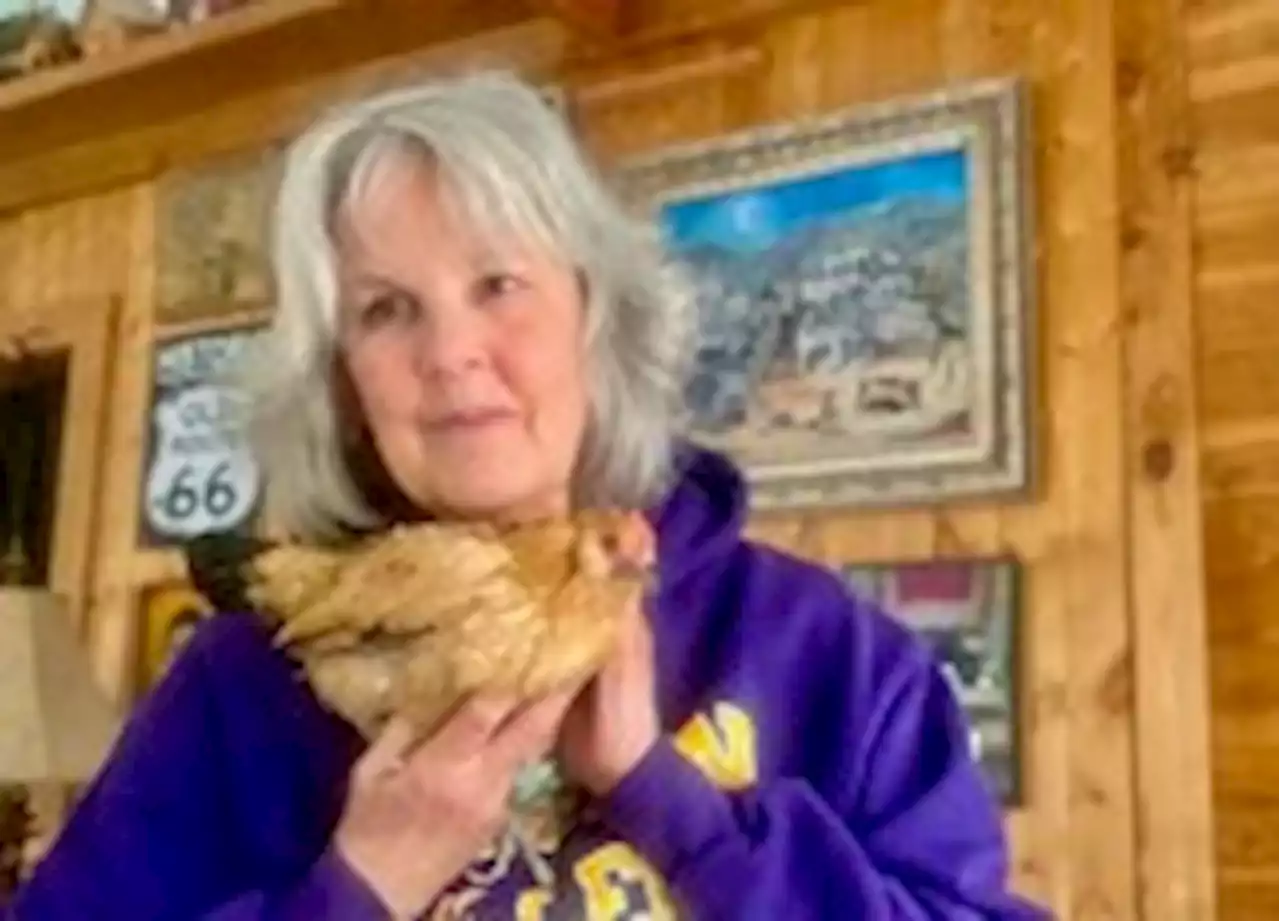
x: 449, y: 342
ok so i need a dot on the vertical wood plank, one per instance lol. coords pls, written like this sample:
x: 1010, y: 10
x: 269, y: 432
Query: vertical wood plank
x: 1154, y: 150
x: 114, y: 627
x: 1231, y: 52
x: 10, y: 236
x: 1084, y: 567
x: 84, y: 332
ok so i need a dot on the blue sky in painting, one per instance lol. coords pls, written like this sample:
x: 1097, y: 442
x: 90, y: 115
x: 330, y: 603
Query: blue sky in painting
x: 68, y: 10
x: 754, y: 219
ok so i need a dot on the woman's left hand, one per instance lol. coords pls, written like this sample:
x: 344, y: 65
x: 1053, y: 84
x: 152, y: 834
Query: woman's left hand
x: 614, y: 722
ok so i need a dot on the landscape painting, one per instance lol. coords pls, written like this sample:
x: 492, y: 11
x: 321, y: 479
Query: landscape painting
x: 859, y: 298
x: 967, y: 611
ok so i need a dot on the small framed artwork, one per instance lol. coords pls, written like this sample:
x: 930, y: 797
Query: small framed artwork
x: 169, y: 614
x: 200, y: 475
x: 862, y: 297
x: 967, y: 610
x: 212, y: 229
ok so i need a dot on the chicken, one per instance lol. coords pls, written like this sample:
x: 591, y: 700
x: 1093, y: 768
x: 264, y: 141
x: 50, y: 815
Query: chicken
x: 414, y: 620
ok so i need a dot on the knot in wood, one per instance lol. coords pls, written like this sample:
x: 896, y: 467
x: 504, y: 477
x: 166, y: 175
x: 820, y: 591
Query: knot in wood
x: 1158, y: 459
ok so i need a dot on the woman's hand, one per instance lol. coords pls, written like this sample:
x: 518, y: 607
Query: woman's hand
x: 416, y: 817
x: 614, y: 721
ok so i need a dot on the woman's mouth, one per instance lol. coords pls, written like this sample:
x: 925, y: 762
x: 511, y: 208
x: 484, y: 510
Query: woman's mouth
x: 471, y: 420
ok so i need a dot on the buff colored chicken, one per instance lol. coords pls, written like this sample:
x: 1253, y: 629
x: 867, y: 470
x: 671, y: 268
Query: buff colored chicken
x: 413, y: 620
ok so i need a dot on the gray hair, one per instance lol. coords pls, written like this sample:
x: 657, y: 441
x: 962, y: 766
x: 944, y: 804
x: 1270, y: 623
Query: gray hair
x: 509, y: 159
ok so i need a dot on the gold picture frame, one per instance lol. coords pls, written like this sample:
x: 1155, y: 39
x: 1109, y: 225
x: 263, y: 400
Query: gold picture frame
x: 863, y: 296
x: 167, y: 612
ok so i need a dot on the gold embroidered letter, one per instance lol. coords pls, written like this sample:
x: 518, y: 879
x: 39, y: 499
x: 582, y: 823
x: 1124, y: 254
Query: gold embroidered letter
x: 723, y: 747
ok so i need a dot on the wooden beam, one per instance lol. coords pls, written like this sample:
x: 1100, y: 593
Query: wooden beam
x: 243, y: 54
x: 588, y: 20
x: 152, y: 58
x: 1167, y: 593
x: 256, y: 118
x: 83, y: 332
x: 177, y: 99
x: 113, y: 633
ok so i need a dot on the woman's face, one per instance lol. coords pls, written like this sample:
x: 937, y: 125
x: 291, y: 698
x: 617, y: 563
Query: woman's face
x: 465, y: 355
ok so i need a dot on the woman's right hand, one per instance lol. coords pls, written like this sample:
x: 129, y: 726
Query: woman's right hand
x: 416, y: 817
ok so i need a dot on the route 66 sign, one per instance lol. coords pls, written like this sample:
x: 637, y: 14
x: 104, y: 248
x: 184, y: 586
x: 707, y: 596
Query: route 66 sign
x: 201, y: 477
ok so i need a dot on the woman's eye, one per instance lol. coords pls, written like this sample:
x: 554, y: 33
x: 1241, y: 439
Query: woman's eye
x: 498, y: 285
x: 388, y: 308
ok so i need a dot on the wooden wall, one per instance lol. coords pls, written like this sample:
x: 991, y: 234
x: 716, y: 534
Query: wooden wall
x: 1231, y: 48
x: 1116, y: 822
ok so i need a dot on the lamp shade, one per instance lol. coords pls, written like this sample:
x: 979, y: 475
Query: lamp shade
x: 56, y: 725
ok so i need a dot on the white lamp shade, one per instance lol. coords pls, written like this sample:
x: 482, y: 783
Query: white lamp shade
x: 56, y: 724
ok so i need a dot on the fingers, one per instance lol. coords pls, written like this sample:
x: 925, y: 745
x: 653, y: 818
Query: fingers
x: 636, y: 640
x: 631, y: 664
x: 474, y: 724
x: 387, y: 753
x: 498, y: 728
x: 531, y: 732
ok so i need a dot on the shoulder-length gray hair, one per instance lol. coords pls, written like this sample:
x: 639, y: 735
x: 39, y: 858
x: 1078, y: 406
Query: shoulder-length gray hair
x: 509, y: 160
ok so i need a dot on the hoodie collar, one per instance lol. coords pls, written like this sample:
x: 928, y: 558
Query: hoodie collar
x: 701, y: 519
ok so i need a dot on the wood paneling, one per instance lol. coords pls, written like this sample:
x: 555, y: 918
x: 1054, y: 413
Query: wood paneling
x: 1161, y: 456
x: 1153, y: 172
x: 86, y: 166
x: 1231, y: 51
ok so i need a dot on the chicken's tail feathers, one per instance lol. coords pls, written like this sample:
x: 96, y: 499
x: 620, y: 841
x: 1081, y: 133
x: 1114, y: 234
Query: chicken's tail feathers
x: 217, y: 565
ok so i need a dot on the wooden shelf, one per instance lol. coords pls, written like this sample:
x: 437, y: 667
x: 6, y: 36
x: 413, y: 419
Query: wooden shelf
x: 248, y: 52
x: 151, y: 53
x: 253, y: 76
x: 158, y: 76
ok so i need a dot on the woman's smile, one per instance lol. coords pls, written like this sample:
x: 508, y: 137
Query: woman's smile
x: 472, y: 421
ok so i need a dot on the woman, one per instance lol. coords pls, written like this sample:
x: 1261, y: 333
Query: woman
x: 469, y: 327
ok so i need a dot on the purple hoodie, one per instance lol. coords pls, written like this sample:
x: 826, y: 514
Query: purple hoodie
x: 817, y: 768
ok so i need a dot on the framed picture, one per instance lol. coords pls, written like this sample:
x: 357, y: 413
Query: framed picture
x: 211, y: 237
x: 169, y: 613
x: 862, y: 297
x: 968, y: 611
x: 200, y: 475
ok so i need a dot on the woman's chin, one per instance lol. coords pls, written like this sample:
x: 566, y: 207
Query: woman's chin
x: 496, y: 500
